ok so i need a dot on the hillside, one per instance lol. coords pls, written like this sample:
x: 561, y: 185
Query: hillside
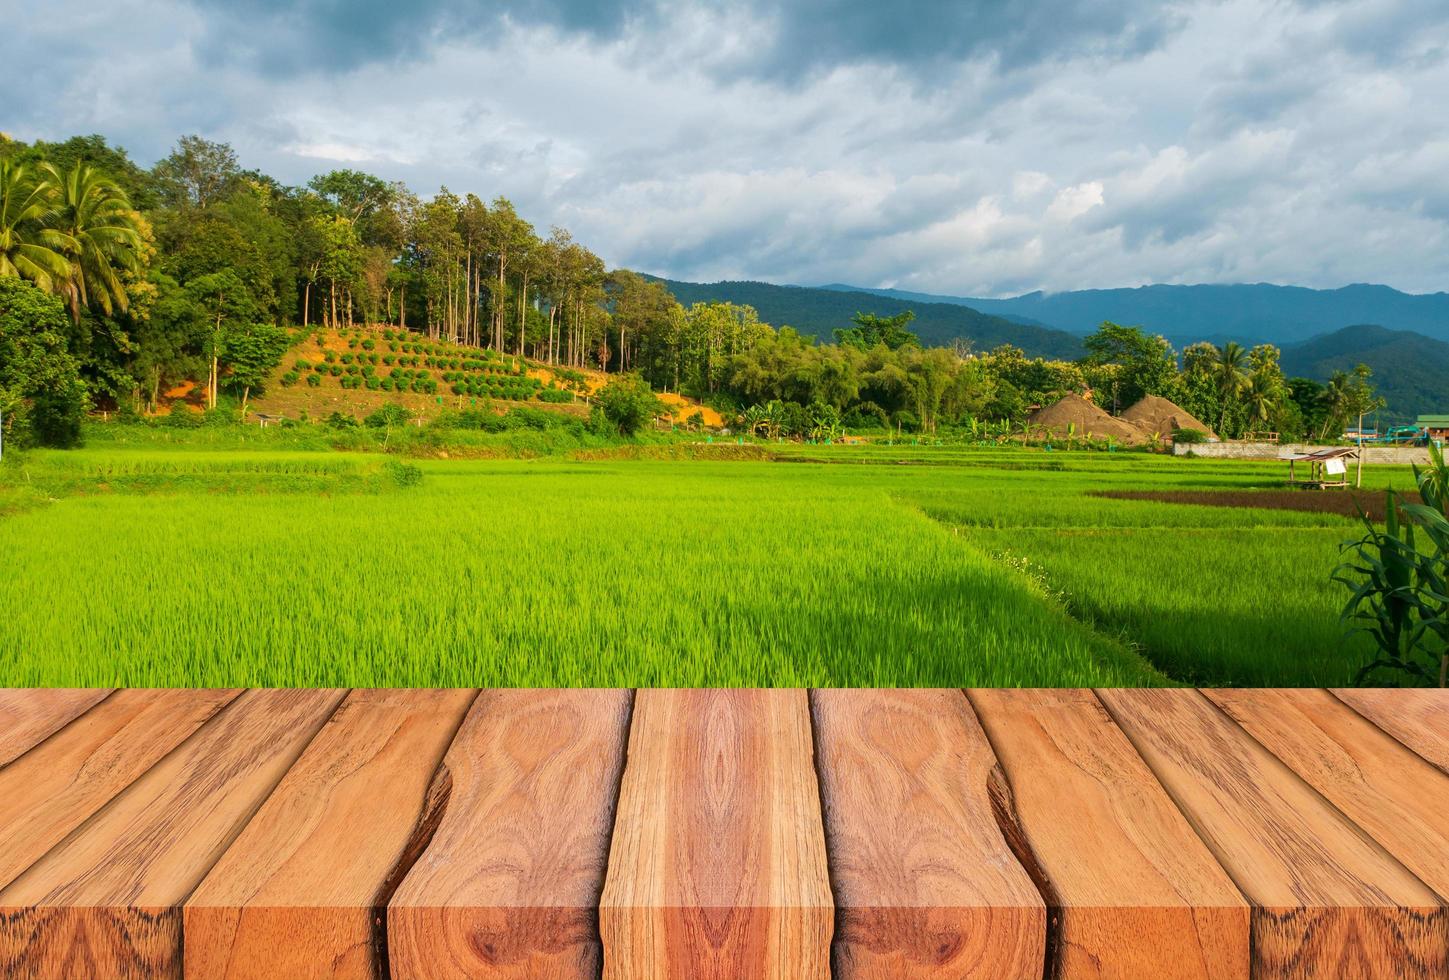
x: 359, y: 370
x: 821, y: 311
x: 1410, y: 370
x: 1245, y: 312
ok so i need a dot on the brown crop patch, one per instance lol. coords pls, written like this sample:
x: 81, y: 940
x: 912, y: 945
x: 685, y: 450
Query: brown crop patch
x: 1347, y: 503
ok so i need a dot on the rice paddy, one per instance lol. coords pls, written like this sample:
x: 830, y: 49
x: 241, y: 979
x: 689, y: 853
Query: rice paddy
x: 259, y: 565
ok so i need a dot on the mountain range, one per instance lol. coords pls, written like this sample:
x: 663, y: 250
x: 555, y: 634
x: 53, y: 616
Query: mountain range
x: 1402, y: 337
x: 1411, y: 371
x: 1256, y: 312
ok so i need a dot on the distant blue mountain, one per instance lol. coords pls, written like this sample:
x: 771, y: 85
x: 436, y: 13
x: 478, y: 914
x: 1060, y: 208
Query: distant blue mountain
x: 819, y: 312
x: 1411, y: 371
x: 1247, y: 312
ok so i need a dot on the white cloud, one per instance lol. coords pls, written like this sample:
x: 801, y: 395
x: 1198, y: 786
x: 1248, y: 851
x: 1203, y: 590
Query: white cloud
x: 1256, y: 140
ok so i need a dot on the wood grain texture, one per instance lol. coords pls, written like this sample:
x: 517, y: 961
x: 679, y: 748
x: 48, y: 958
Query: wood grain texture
x: 28, y: 716
x: 58, y: 785
x: 299, y: 893
x: 105, y: 903
x: 1329, y: 901
x: 1134, y: 890
x: 717, y: 867
x: 926, y: 887
x: 1417, y: 718
x: 1401, y: 800
x: 508, y: 886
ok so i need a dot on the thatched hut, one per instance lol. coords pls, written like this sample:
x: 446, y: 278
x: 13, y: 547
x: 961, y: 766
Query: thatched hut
x: 1076, y: 417
x: 1162, y: 417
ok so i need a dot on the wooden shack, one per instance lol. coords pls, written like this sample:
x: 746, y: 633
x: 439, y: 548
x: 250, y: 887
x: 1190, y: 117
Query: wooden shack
x: 1326, y: 467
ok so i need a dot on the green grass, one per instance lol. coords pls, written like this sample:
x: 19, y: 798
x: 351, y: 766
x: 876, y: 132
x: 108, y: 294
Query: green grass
x: 161, y: 563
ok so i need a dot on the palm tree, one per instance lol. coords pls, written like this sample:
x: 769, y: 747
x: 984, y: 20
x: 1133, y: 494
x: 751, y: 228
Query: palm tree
x: 1228, y: 366
x: 28, y: 249
x: 1261, y: 398
x: 102, y: 237
x: 1337, y: 396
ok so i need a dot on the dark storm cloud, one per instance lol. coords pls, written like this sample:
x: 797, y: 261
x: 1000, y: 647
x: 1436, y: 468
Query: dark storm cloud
x: 927, y: 33
x: 282, y: 36
x: 797, y: 37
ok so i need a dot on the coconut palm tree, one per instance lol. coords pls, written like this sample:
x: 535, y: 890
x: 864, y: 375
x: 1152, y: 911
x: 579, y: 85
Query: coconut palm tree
x: 101, y: 237
x: 1261, y: 398
x: 1232, y: 376
x: 29, y: 249
x: 1337, y: 396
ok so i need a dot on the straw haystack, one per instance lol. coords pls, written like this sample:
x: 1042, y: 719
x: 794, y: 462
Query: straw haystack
x: 1075, y: 416
x: 1154, y: 414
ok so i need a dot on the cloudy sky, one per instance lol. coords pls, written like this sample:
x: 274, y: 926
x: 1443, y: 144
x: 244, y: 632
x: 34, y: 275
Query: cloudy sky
x: 974, y: 147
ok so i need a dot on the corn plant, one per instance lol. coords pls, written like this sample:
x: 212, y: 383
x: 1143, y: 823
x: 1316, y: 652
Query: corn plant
x: 1400, y: 582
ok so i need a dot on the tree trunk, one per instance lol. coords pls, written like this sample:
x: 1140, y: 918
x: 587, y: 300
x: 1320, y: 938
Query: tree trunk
x: 522, y: 312
x: 499, y: 302
x: 306, y: 303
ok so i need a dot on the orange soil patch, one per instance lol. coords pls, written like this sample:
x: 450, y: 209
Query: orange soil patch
x: 683, y: 408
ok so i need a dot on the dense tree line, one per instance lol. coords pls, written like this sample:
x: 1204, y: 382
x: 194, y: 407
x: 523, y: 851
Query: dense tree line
x: 879, y: 375
x: 158, y: 267
x: 192, y: 271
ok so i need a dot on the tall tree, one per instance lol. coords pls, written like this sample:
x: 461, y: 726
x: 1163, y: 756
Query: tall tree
x: 104, y: 237
x: 1147, y: 363
x: 197, y: 173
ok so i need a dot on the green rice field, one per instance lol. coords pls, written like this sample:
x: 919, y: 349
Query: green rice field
x: 212, y: 564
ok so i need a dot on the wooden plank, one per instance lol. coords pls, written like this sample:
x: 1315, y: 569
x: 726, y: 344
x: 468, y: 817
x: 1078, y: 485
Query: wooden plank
x: 301, y: 892
x: 58, y: 785
x: 1401, y: 800
x: 1329, y: 901
x: 105, y: 903
x: 925, y: 885
x: 717, y: 866
x: 28, y: 716
x: 1134, y: 891
x: 1419, y: 718
x: 509, y: 885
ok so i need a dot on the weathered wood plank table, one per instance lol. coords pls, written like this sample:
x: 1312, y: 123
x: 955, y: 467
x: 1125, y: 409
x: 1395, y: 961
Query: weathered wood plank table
x: 719, y: 834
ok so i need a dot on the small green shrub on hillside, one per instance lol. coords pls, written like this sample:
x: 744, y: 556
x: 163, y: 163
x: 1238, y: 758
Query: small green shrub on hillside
x: 291, y: 378
x: 391, y: 414
x: 181, y: 417
x: 368, y: 345
x: 627, y: 403
x: 314, y: 380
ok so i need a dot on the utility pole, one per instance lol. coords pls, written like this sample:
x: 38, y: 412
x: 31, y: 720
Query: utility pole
x: 1359, y: 482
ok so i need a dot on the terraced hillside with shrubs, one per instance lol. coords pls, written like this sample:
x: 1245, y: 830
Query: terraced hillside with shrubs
x: 360, y: 369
